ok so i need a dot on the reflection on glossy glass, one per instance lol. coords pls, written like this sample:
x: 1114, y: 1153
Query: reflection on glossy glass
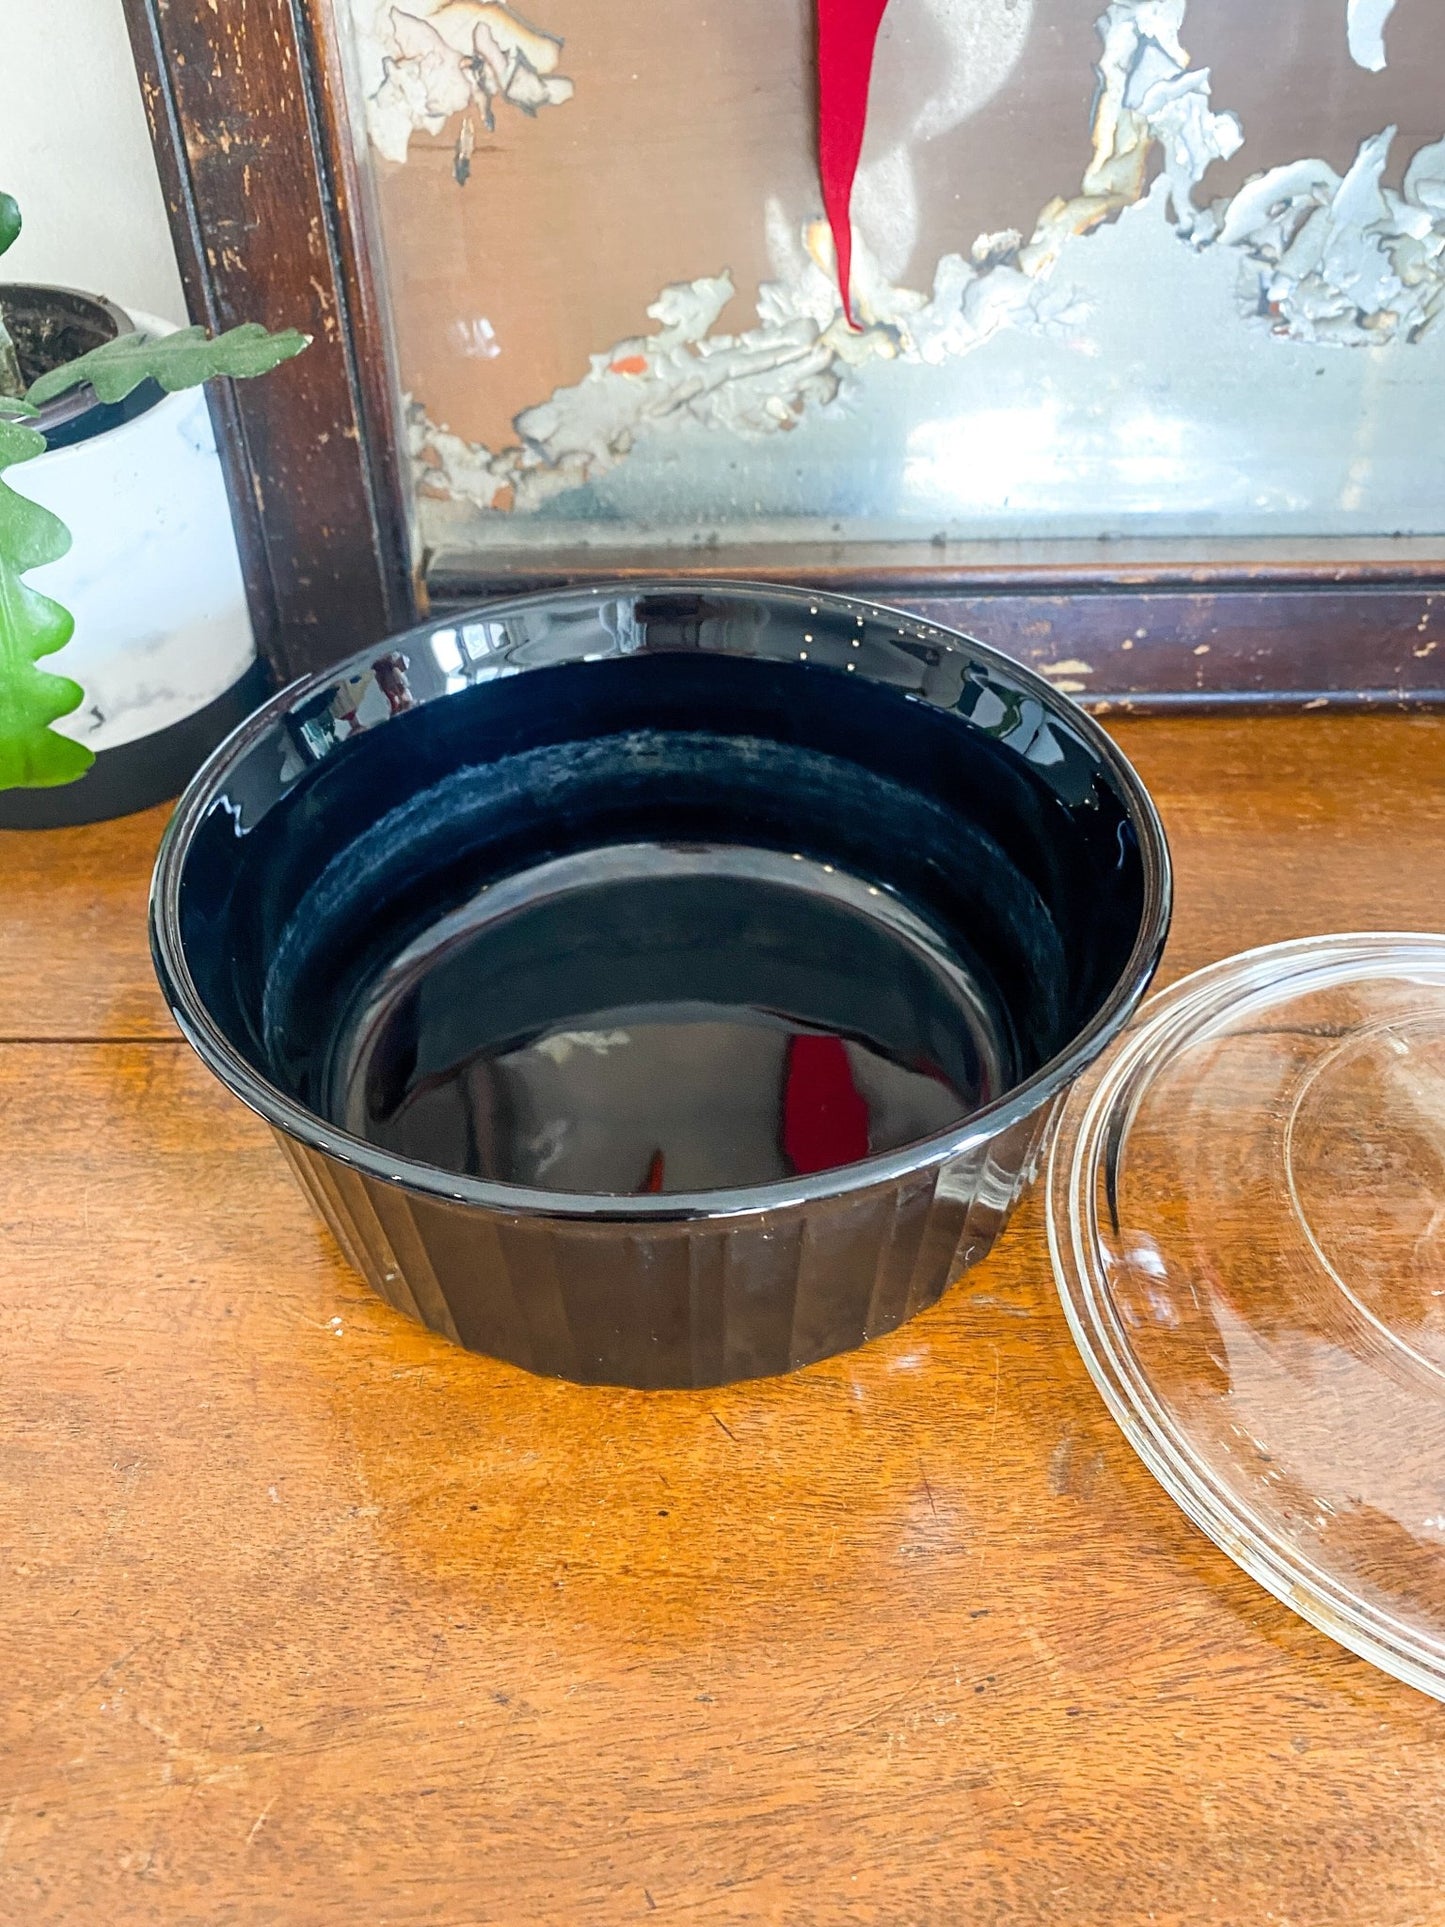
x: 1248, y: 1214
x: 646, y: 1019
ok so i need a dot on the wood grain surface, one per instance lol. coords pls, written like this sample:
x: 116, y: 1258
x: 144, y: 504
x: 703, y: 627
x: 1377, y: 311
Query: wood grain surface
x: 306, y: 1616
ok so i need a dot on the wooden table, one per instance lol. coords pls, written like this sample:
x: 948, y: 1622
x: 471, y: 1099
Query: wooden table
x: 306, y: 1616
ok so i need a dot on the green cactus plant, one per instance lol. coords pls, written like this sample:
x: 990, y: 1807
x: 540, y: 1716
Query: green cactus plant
x: 32, y: 626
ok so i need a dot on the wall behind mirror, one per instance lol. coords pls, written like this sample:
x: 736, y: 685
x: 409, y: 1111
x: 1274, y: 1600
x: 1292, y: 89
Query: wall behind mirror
x: 76, y: 154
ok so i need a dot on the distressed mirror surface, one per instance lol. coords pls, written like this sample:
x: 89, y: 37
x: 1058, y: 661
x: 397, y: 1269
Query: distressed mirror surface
x: 1170, y: 271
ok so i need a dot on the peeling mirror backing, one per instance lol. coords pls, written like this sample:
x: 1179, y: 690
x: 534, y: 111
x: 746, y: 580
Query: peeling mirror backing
x: 1172, y: 272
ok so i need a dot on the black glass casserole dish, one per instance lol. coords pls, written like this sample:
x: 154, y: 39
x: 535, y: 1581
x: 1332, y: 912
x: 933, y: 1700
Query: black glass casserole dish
x: 662, y: 986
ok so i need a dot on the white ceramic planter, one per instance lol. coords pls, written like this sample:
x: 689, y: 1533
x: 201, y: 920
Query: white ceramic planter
x: 163, y: 645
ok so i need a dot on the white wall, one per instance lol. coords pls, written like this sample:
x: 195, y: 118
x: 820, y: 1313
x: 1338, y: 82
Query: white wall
x: 75, y: 153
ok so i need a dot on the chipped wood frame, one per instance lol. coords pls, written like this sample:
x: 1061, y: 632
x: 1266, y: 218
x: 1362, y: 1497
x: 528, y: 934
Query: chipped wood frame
x: 268, y: 207
x: 265, y: 199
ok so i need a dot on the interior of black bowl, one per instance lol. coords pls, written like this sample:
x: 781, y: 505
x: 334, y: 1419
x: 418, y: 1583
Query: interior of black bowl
x: 668, y: 920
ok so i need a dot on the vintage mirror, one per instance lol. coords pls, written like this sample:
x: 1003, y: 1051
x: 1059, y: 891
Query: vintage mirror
x: 1147, y: 387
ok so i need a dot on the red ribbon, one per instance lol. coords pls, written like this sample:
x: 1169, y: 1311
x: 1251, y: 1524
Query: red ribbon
x: 825, y: 1119
x: 847, y: 35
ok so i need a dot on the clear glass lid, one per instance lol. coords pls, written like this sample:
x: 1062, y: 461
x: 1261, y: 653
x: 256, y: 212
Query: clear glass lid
x: 1246, y: 1209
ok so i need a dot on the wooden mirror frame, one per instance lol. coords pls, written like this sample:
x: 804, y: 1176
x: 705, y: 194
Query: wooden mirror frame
x: 267, y: 189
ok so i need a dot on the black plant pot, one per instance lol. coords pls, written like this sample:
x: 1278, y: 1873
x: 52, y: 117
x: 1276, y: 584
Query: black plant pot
x: 662, y: 986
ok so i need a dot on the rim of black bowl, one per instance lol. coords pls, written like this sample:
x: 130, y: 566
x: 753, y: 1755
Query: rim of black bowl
x: 515, y: 1200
